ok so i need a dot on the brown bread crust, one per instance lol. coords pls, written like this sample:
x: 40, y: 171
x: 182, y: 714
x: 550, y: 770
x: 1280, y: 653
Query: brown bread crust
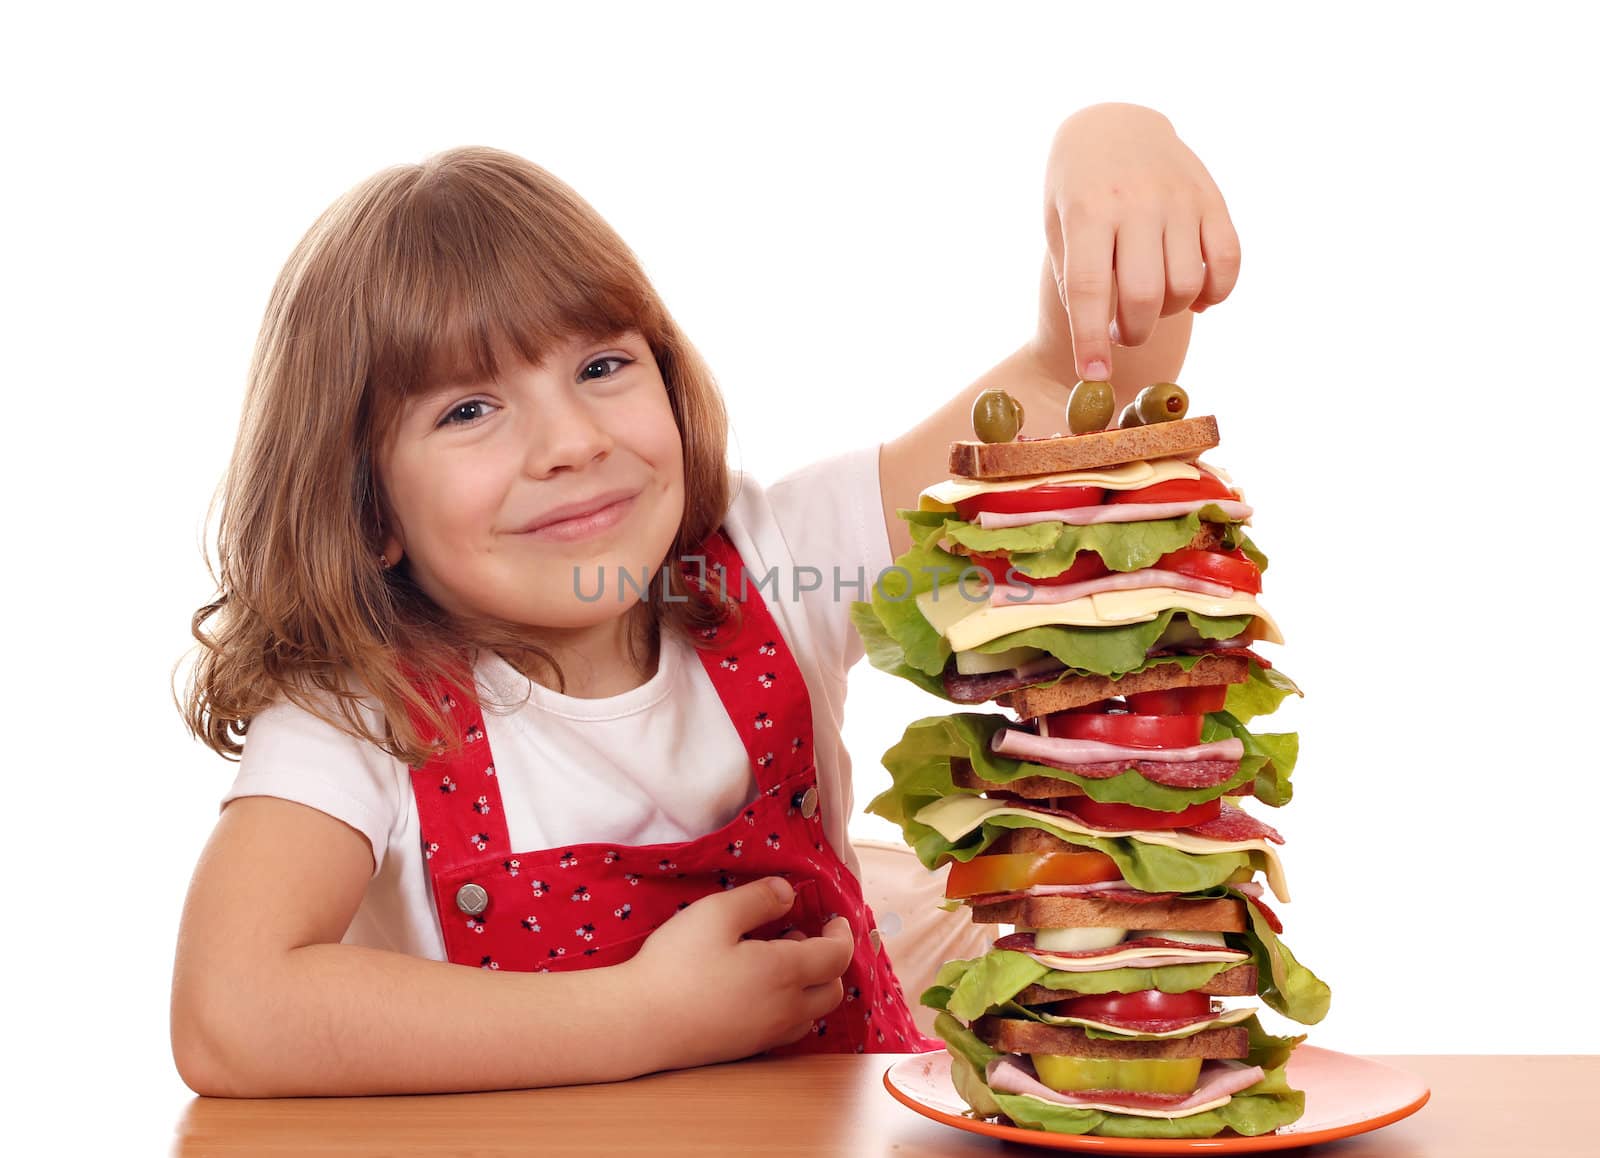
x: 1033, y: 840
x: 1015, y: 1035
x: 1075, y: 691
x: 1031, y: 787
x: 1003, y: 460
x: 1240, y: 981
x: 1222, y: 915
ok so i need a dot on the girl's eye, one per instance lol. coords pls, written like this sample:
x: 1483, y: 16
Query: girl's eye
x: 619, y: 363
x: 467, y: 413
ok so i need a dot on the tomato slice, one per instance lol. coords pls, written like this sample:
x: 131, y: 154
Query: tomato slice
x: 1230, y: 568
x: 1086, y: 566
x: 1129, y: 817
x: 1145, y: 1004
x: 1179, y: 701
x: 1045, y: 498
x: 1127, y: 729
x: 1005, y: 872
x: 1177, y: 490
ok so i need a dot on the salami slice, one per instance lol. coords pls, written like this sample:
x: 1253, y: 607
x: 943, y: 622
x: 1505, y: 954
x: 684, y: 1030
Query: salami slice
x: 977, y: 689
x: 1197, y: 649
x: 1187, y: 774
x: 1271, y: 917
x: 1235, y: 824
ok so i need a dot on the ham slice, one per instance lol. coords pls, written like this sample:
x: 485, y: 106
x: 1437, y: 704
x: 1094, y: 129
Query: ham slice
x: 1012, y: 742
x: 1112, y: 513
x: 1006, y: 594
x: 1219, y: 1081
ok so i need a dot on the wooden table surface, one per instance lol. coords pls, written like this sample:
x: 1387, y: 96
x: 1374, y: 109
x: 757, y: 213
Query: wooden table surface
x: 1488, y: 1105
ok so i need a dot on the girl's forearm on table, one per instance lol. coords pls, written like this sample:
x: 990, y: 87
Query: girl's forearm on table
x: 344, y: 1020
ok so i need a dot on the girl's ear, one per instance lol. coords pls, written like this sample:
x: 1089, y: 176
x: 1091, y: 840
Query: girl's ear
x: 393, y: 552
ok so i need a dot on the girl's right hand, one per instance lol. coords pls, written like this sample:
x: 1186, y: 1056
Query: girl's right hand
x: 722, y: 998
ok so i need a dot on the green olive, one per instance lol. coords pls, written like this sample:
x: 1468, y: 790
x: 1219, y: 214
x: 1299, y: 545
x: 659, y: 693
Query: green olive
x: 1162, y: 402
x: 1090, y: 407
x: 1129, y: 417
x: 996, y: 416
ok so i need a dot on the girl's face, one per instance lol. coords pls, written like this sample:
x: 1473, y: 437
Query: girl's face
x: 510, y: 497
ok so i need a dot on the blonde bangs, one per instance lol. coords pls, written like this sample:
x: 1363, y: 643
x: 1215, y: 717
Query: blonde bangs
x: 480, y: 259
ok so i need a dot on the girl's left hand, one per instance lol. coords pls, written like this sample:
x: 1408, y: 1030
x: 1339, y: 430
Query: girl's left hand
x: 1137, y: 230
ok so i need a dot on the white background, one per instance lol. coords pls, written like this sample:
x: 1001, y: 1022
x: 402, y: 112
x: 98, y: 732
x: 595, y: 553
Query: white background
x: 842, y: 207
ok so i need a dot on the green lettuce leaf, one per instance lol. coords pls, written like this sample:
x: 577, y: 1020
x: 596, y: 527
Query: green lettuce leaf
x: 1112, y: 651
x: 1269, y: 758
x: 1101, y: 650
x: 1152, y: 868
x: 1234, y: 536
x: 1261, y: 693
x: 1261, y: 1108
x: 971, y: 988
x: 920, y: 767
x: 885, y: 652
x: 1283, y: 983
x: 1044, y: 550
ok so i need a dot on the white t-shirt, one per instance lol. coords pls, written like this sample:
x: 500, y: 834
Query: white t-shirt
x: 659, y: 763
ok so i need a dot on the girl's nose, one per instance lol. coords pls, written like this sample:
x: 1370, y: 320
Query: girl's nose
x: 567, y: 435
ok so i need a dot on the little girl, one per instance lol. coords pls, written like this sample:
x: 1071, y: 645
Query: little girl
x: 530, y: 682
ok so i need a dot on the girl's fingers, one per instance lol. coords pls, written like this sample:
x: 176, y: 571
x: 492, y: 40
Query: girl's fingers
x: 1141, y: 280
x: 821, y: 1000
x: 1083, y: 279
x: 820, y: 959
x: 1186, y: 270
x: 1219, y: 245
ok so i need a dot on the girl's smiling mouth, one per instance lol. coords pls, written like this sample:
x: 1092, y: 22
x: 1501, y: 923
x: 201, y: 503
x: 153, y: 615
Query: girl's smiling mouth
x: 582, y: 519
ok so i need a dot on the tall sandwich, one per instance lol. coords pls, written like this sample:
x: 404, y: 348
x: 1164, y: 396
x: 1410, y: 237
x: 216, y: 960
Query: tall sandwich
x: 1101, y: 588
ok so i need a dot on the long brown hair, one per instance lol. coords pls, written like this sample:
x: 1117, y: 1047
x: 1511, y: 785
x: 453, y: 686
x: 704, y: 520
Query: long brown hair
x: 419, y: 272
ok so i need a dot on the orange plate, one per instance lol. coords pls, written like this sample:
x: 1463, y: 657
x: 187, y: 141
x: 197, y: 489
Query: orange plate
x: 1345, y: 1095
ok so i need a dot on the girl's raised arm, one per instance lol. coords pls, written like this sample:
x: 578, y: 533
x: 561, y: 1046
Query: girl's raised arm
x: 1136, y: 235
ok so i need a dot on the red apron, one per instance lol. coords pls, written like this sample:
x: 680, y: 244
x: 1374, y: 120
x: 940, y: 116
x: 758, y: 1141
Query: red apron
x: 588, y: 905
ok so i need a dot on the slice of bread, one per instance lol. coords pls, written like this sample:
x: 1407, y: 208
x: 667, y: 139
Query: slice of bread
x: 1016, y: 1035
x: 1002, y: 460
x: 1033, y: 840
x: 1222, y: 915
x: 1240, y: 981
x: 1032, y: 787
x: 1075, y: 691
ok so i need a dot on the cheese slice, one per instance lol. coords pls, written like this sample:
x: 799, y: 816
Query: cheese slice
x: 1111, y: 960
x: 955, y: 816
x: 1131, y: 1111
x: 966, y: 624
x: 1127, y: 477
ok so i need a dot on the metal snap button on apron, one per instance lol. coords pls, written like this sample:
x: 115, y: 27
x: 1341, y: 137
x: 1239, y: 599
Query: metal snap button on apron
x: 472, y: 899
x: 876, y: 939
x: 808, y: 803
